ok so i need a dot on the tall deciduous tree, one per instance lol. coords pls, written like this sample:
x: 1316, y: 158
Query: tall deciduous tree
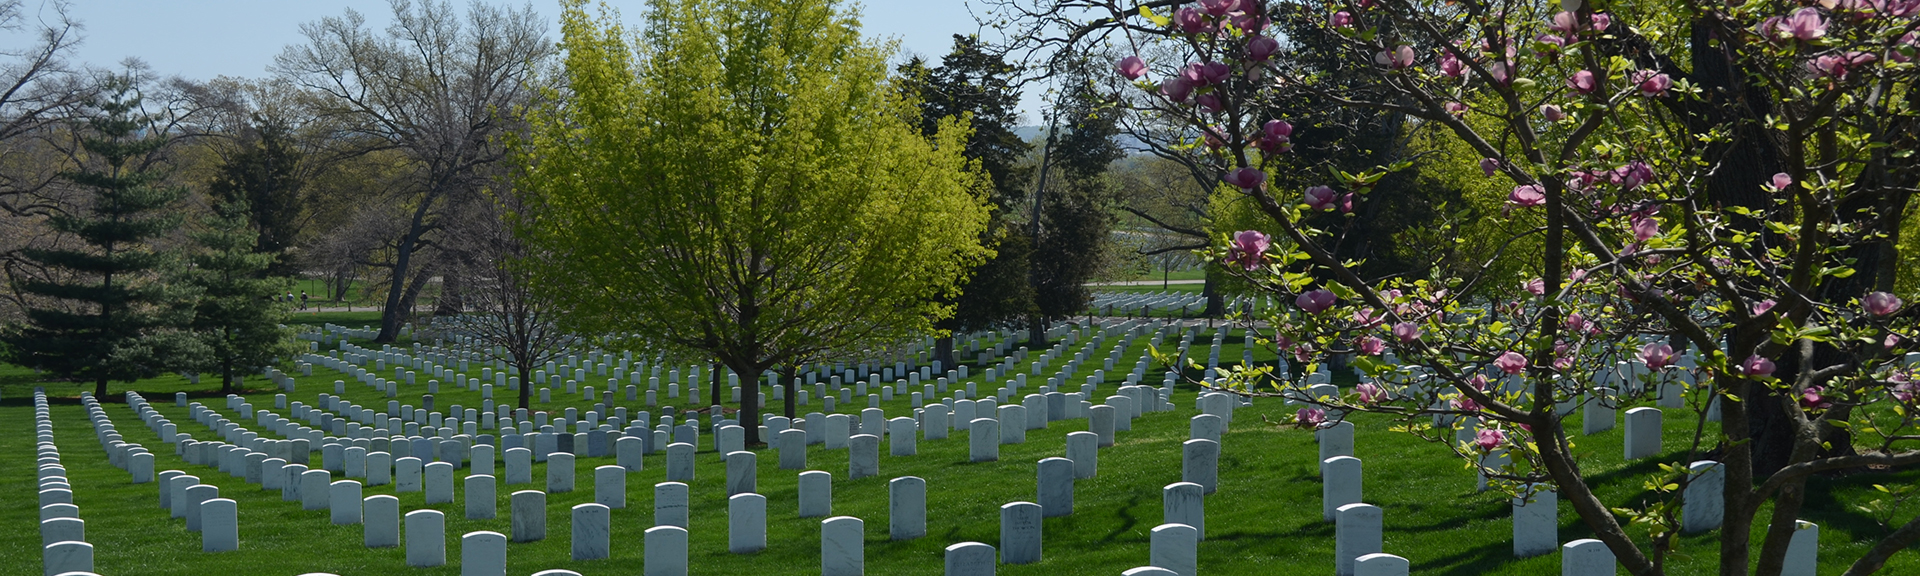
x: 1074, y: 215
x: 979, y: 85
x: 504, y: 313
x: 748, y: 187
x: 433, y: 86
x: 103, y: 314
x: 236, y: 316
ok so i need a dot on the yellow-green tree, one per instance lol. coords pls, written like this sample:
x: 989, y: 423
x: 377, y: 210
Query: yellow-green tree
x: 744, y: 182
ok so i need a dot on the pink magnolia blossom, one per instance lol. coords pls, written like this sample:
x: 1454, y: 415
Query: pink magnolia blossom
x: 1812, y: 399
x: 1890, y: 341
x: 1315, y: 301
x: 1489, y: 438
x: 1219, y: 7
x: 1577, y: 323
x: 1455, y: 109
x: 1209, y: 103
x: 1247, y: 248
x: 1583, y: 82
x: 1905, y: 388
x: 1527, y: 196
x: 1757, y: 366
x: 1632, y: 175
x: 1657, y: 355
x: 1577, y: 275
x: 1464, y: 404
x: 1652, y: 84
x: 1406, y: 332
x: 1511, y: 362
x: 1191, y: 21
x: 1781, y: 181
x: 1206, y: 73
x: 1906, y: 42
x: 1260, y: 48
x: 1536, y: 286
x: 1601, y: 21
x: 1451, y: 67
x: 1278, y: 129
x: 1176, y: 89
x: 1804, y: 24
x: 1372, y: 346
x: 1310, y: 416
x: 1321, y: 198
x: 1132, y: 67
x: 1564, y: 23
x: 1552, y: 113
x: 1646, y: 229
x: 1341, y: 19
x: 1247, y: 178
x: 1881, y: 304
x: 1501, y: 72
x: 1397, y: 58
x: 1370, y: 393
x: 1346, y: 203
x: 1762, y: 307
x: 1489, y: 166
x: 1836, y: 66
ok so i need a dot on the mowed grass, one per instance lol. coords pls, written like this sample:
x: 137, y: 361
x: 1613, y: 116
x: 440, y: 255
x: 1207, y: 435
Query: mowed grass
x: 1265, y: 518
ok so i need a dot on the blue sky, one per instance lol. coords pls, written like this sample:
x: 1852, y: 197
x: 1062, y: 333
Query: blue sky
x: 202, y: 39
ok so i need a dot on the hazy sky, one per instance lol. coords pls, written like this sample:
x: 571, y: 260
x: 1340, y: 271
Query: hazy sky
x: 205, y: 38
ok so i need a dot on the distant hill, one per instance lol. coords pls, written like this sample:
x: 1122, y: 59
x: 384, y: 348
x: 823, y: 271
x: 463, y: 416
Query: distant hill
x: 1037, y: 135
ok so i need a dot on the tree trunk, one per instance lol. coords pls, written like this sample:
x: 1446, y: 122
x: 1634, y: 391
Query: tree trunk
x: 100, y: 388
x: 226, y: 377
x: 943, y: 351
x: 713, y: 374
x: 787, y: 381
x: 399, y: 301
x: 1036, y: 333
x: 1216, y: 306
x: 526, y: 385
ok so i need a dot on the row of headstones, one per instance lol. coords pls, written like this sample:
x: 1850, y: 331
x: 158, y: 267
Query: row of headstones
x: 1535, y: 514
x: 63, y: 535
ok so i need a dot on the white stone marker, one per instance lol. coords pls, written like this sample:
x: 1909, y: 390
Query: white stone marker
x: 480, y: 459
x: 1013, y: 428
x: 591, y: 526
x: 426, y: 538
x: 1586, y: 557
x: 1083, y: 448
x: 1176, y: 547
x: 901, y: 437
x: 670, y: 504
x: 970, y: 559
x: 842, y: 547
x: 863, y: 457
x: 937, y: 418
x: 1643, y: 433
x: 64, y: 557
x: 406, y: 474
x: 314, y: 488
x: 793, y: 449
x: 1149, y: 571
x: 178, y: 489
x: 220, y: 525
x: 816, y: 494
x: 1100, y: 422
x: 1378, y: 564
x: 907, y: 508
x: 1536, y: 523
x: 629, y: 452
x: 680, y: 462
x: 140, y: 465
x: 560, y: 472
x: 1336, y: 439
x: 1596, y: 415
x: 529, y: 515
x: 1200, y: 463
x: 344, y: 502
x: 1340, y: 485
x: 1357, y: 532
x: 380, y: 521
x: 1056, y: 487
x: 742, y: 473
x: 1208, y: 427
x: 1185, y: 503
x: 839, y: 428
x: 1803, y: 551
x: 483, y: 553
x: 730, y: 439
x: 63, y: 530
x: 666, y: 551
x: 481, y: 497
x: 196, y: 495
x: 983, y: 440
x: 746, y: 523
x: 519, y: 464
x: 379, y: 468
x: 1020, y: 533
x: 1705, y: 498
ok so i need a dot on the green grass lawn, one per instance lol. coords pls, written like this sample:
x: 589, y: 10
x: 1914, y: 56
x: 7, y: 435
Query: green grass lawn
x: 1265, y: 519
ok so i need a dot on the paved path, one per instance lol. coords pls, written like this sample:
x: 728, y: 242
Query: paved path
x: 1147, y: 282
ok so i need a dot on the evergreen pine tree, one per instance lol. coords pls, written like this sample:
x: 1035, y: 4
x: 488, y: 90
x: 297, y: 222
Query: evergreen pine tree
x: 237, y: 316
x: 263, y: 177
x: 102, y: 312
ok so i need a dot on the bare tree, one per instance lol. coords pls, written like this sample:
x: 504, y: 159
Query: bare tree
x: 435, y: 88
x: 507, y: 317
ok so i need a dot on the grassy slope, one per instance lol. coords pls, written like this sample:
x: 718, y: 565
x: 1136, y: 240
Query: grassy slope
x: 1264, y: 520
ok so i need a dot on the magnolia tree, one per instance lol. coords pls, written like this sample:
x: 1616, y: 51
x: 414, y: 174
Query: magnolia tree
x: 1716, y: 188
